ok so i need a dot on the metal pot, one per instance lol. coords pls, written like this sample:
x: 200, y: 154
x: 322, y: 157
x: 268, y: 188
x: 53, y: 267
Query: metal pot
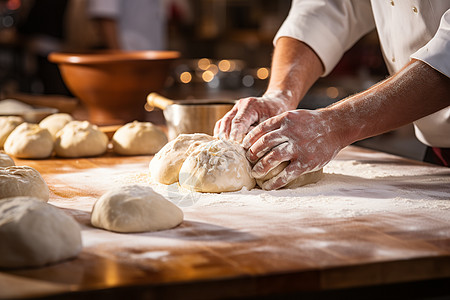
x: 190, y: 116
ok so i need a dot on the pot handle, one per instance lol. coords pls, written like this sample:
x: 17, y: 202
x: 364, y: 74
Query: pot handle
x: 156, y: 100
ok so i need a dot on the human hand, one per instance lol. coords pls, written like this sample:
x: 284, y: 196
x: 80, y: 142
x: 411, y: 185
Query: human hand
x: 250, y: 111
x: 306, y: 139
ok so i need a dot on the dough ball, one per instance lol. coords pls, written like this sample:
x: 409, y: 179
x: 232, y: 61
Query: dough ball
x: 34, y: 233
x: 55, y: 123
x: 135, y: 208
x: 80, y: 139
x: 215, y: 167
x: 22, y: 181
x: 29, y: 141
x: 302, y: 180
x: 166, y: 165
x: 7, y: 125
x: 138, y: 138
x: 6, y: 161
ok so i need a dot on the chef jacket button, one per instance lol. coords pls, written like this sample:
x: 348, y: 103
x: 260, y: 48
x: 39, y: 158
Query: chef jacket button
x: 393, y: 59
x: 414, y: 9
x: 392, y: 2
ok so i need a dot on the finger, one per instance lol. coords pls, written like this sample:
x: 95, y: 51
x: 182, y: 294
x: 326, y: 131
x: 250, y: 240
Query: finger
x: 260, y: 130
x: 222, y: 128
x: 242, y: 122
x: 270, y: 161
x: 291, y: 172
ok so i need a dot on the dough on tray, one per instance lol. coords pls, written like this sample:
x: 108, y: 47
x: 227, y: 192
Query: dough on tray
x: 6, y: 161
x: 138, y: 138
x: 34, y: 233
x: 80, y: 139
x: 7, y: 125
x: 29, y: 141
x: 135, y: 208
x: 22, y: 181
x: 55, y: 122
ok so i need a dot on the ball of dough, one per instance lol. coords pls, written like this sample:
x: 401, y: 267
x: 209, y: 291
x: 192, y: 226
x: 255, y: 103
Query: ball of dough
x: 55, y: 122
x: 7, y: 125
x: 6, y: 161
x: 29, y: 141
x: 138, y: 138
x: 304, y: 179
x: 166, y: 165
x: 215, y: 167
x: 34, y: 234
x: 22, y: 181
x: 135, y: 208
x: 80, y: 139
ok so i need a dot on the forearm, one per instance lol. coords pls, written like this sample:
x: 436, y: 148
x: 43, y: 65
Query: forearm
x: 414, y: 92
x: 295, y: 68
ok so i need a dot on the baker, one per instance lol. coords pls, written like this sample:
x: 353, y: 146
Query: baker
x: 415, y: 41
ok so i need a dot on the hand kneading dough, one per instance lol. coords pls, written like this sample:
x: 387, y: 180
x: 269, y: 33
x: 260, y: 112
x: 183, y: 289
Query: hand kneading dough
x: 34, y: 234
x: 6, y: 161
x: 135, y: 208
x: 29, y: 141
x: 215, y: 167
x: 22, y: 181
x: 55, y: 123
x: 80, y: 139
x: 302, y: 180
x: 138, y: 138
x: 166, y: 165
x: 7, y: 125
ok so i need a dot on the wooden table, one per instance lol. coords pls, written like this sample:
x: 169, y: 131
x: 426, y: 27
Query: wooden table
x: 237, y: 251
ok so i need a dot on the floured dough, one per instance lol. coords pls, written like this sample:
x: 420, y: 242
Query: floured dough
x: 6, y: 161
x: 302, y: 180
x: 135, y: 208
x: 216, y: 166
x: 138, y: 138
x: 34, y: 233
x: 7, y: 125
x: 22, y: 181
x: 80, y: 139
x: 29, y: 141
x: 55, y: 123
x: 165, y: 166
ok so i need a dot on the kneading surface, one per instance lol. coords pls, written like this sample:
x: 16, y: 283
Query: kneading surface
x: 217, y: 166
x: 7, y: 125
x: 29, y: 141
x: 138, y: 138
x: 22, y: 181
x: 135, y: 208
x: 34, y: 234
x: 55, y: 123
x: 80, y: 139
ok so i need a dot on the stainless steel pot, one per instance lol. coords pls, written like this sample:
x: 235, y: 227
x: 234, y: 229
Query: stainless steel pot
x: 190, y: 116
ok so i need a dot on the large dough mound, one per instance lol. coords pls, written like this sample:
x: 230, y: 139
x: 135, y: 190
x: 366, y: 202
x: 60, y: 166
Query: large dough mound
x: 217, y: 166
x: 22, y: 181
x: 302, y: 180
x: 29, y: 141
x: 138, y: 138
x: 6, y: 161
x: 80, y: 139
x: 166, y: 165
x: 135, y: 208
x: 7, y: 125
x: 34, y: 233
x: 55, y: 123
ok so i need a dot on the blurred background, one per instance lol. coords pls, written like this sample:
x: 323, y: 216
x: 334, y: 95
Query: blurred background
x: 226, y: 48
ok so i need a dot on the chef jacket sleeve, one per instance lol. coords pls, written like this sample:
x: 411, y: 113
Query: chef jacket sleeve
x: 329, y: 27
x: 436, y: 52
x: 103, y: 8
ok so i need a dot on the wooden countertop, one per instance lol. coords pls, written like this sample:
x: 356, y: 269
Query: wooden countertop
x: 237, y: 251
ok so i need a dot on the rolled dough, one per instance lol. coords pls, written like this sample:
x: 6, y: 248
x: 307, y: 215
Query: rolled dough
x: 22, y: 181
x: 29, y: 141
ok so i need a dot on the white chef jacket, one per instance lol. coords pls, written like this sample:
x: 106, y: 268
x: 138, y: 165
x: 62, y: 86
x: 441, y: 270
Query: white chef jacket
x: 141, y: 23
x: 407, y: 29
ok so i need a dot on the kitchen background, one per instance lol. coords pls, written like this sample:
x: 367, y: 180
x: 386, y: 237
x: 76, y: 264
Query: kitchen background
x: 226, y: 48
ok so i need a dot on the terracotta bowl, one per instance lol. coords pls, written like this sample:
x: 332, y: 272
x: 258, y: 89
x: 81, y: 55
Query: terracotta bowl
x: 114, y: 85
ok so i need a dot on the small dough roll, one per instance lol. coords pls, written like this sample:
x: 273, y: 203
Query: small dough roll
x: 34, y: 233
x: 7, y: 125
x: 80, y: 139
x: 55, y: 123
x: 302, y: 180
x: 138, y: 138
x: 166, y: 165
x: 215, y: 167
x: 22, y: 181
x: 29, y: 141
x: 6, y: 161
x: 135, y: 208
